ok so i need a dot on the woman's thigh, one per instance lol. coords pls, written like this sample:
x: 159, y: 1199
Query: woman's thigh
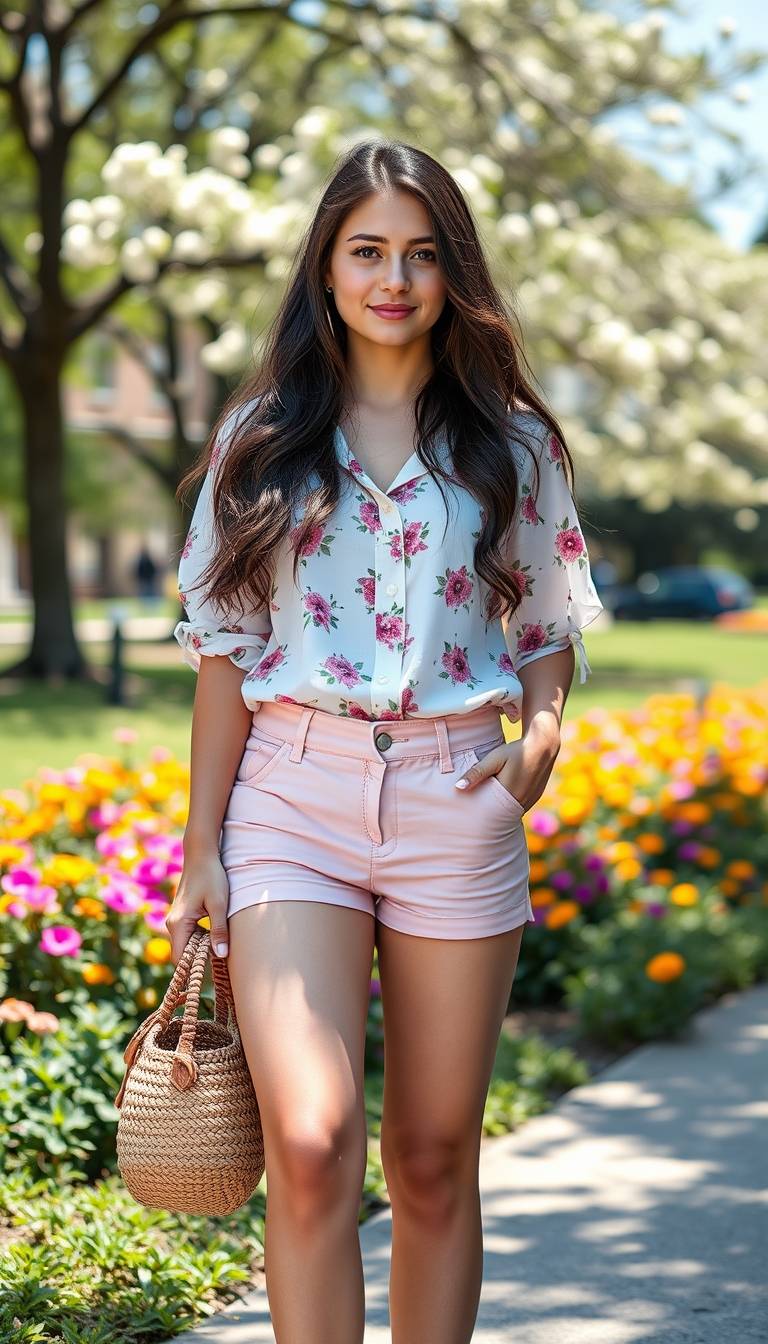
x: 444, y: 1002
x: 300, y: 974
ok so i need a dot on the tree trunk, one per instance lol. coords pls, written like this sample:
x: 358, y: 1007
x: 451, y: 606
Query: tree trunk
x: 54, y: 652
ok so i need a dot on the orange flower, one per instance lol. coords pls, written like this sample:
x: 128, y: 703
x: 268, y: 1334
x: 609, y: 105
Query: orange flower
x: 665, y: 966
x: 684, y: 893
x: 741, y: 868
x: 89, y: 908
x: 650, y: 843
x: 628, y: 869
x: 543, y: 896
x: 729, y: 886
x: 562, y: 913
x: 96, y: 973
x: 146, y: 997
x: 661, y: 877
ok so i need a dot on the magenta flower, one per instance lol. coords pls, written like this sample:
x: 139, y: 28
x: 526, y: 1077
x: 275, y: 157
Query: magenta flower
x: 342, y: 670
x: 388, y: 629
x: 505, y: 664
x: 458, y: 587
x: 369, y: 515
x: 456, y: 664
x: 43, y: 899
x: 18, y: 881
x: 533, y: 637
x: 569, y: 544
x: 368, y: 590
x: 319, y: 609
x: 60, y: 940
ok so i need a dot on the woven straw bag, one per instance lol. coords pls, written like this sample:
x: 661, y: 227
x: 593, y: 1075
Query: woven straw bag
x: 189, y: 1137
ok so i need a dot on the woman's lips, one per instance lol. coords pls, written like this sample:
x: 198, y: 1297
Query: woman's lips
x: 392, y: 312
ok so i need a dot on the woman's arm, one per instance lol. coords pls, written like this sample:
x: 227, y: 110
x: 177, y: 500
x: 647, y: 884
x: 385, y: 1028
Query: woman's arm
x: 220, y: 724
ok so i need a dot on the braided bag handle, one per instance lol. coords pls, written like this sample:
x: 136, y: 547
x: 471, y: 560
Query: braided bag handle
x: 189, y: 971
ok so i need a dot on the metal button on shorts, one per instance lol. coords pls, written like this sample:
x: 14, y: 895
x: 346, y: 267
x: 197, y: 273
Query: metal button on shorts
x: 383, y: 740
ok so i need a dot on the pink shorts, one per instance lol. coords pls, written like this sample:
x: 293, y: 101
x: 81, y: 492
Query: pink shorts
x: 366, y: 815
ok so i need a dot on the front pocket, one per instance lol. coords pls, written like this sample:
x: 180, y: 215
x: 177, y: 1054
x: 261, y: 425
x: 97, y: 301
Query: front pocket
x: 259, y: 759
x: 498, y: 790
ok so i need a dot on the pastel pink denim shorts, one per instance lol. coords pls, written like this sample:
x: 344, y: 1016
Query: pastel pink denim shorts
x: 366, y: 815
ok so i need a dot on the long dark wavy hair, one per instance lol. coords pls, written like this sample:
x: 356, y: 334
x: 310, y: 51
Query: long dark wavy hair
x: 302, y: 391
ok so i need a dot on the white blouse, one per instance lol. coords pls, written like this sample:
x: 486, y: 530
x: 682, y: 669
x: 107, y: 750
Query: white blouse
x: 386, y: 621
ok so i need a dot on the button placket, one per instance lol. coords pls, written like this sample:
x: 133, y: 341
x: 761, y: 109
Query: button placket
x: 385, y: 685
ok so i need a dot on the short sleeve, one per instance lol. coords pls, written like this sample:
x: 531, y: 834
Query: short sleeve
x: 206, y: 631
x: 547, y: 547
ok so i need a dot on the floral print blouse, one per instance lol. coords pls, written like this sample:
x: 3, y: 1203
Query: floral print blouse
x: 386, y: 622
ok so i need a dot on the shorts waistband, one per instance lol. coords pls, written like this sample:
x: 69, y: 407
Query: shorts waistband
x: 376, y: 740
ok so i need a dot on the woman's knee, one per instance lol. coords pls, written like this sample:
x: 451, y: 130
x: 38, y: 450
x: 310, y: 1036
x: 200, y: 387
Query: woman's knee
x: 316, y: 1161
x: 430, y: 1172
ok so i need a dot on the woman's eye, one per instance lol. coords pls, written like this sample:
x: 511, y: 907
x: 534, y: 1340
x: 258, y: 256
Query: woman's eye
x: 423, y: 251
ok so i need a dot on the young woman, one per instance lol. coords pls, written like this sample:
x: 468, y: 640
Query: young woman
x: 385, y: 553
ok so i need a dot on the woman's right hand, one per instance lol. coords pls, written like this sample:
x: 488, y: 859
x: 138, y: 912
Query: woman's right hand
x: 203, y: 890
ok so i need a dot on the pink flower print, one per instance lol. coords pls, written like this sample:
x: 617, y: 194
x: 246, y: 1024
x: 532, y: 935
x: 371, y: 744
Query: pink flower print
x: 367, y: 586
x: 286, y: 699
x: 354, y: 466
x: 533, y: 636
x: 409, y: 700
x: 396, y: 545
x: 505, y: 664
x: 350, y: 709
x: 389, y: 628
x: 189, y: 543
x: 392, y: 713
x: 239, y: 653
x: 414, y: 539
x: 555, y: 450
x: 456, y: 665
x: 520, y: 576
x: 319, y: 611
x: 266, y: 666
x: 528, y: 511
x: 455, y: 586
x: 409, y: 638
x: 569, y: 545
x: 405, y: 493
x: 216, y: 453
x: 317, y: 540
x: 368, y: 519
x: 337, y: 668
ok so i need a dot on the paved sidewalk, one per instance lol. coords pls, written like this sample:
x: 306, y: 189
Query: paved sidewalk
x: 636, y: 1210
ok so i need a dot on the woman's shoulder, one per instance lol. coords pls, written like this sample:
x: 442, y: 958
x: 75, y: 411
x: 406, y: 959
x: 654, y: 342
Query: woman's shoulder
x: 528, y: 431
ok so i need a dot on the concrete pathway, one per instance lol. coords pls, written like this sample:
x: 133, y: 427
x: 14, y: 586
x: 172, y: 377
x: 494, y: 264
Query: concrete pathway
x: 635, y: 1210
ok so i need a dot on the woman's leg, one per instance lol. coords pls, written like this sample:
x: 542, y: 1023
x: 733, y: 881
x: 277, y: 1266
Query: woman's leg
x: 300, y: 973
x: 444, y: 1001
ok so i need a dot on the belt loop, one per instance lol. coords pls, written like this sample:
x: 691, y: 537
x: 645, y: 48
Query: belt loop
x: 297, y: 750
x: 446, y: 763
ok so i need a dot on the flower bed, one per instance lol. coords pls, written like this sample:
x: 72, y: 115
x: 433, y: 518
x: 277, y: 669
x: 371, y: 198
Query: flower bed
x: 648, y: 856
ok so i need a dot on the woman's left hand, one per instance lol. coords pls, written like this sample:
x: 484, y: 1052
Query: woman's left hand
x: 523, y: 767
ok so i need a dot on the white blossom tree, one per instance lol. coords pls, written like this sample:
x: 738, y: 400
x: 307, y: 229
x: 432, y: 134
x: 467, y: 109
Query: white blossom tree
x: 162, y: 165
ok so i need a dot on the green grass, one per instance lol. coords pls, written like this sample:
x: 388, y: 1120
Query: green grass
x: 52, y: 725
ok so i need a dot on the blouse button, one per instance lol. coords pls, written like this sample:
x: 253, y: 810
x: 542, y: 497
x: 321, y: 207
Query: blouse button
x: 391, y: 588
x: 382, y: 680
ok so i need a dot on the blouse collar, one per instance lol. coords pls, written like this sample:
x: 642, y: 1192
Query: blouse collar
x: 410, y: 470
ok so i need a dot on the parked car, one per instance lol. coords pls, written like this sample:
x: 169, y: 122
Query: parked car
x: 682, y: 592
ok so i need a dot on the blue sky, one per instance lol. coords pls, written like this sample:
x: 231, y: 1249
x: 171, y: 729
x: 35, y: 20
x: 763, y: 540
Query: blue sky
x: 740, y: 213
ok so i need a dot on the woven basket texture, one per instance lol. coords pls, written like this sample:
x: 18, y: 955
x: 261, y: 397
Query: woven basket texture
x: 189, y: 1137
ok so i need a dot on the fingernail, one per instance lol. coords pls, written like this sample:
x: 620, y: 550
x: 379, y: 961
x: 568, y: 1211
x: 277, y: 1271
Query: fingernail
x: 462, y: 784
x: 221, y: 949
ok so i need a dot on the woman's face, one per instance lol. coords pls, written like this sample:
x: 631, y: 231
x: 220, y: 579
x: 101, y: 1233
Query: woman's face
x: 384, y: 256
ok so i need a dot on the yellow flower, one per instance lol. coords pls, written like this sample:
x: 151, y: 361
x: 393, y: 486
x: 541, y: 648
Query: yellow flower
x: 10, y: 853
x: 628, y: 869
x: 684, y: 893
x: 68, y: 870
x: 665, y: 966
x: 157, y: 951
x: 146, y: 997
x: 562, y: 913
x: 98, y: 974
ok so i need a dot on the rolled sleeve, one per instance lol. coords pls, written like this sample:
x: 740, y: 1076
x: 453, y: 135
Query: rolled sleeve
x: 206, y: 631
x: 549, y: 551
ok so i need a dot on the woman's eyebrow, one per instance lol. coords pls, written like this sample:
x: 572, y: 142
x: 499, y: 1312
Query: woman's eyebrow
x: 377, y: 238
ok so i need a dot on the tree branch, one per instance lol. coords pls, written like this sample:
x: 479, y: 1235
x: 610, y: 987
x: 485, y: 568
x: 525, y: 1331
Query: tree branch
x: 15, y: 280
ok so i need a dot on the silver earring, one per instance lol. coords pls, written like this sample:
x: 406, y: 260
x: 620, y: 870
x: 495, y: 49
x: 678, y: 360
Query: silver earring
x: 329, y: 290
